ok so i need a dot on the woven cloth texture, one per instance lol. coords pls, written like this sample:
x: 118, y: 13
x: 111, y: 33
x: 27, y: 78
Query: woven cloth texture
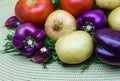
x: 19, y: 68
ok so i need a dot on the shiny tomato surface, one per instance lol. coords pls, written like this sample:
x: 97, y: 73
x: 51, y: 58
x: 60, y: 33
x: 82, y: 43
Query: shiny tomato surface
x: 33, y: 11
x: 76, y: 7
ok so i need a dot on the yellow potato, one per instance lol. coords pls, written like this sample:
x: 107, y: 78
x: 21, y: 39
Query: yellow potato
x: 107, y: 4
x: 75, y: 47
x: 114, y: 19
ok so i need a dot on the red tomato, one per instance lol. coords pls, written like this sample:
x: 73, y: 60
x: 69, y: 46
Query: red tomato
x: 76, y: 7
x: 33, y: 11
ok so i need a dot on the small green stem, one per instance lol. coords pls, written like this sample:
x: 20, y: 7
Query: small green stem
x: 31, y: 2
x: 29, y: 42
x: 88, y: 28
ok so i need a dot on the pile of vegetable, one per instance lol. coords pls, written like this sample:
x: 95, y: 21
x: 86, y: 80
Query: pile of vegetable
x: 66, y: 31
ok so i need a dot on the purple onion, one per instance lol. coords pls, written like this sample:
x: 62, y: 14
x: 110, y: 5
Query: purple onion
x: 41, y: 56
x: 12, y: 22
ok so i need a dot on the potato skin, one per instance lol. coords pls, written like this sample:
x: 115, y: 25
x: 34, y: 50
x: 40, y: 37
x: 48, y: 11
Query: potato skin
x: 114, y: 19
x: 74, y: 48
x: 108, y: 4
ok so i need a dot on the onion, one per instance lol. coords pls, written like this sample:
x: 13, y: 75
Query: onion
x: 59, y: 23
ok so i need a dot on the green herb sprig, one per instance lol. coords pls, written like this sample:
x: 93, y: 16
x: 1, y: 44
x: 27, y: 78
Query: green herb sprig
x: 92, y: 60
x: 54, y: 58
x: 56, y: 4
x: 8, y: 47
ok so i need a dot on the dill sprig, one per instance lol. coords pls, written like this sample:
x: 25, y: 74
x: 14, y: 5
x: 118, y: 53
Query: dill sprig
x: 50, y: 44
x: 8, y: 47
x: 92, y: 60
x: 54, y: 58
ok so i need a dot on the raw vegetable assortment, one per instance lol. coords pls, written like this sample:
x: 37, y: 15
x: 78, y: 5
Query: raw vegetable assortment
x: 68, y: 35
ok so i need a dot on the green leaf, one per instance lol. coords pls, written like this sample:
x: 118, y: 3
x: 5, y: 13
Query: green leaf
x: 54, y: 58
x: 9, y: 37
x: 56, y: 4
x: 92, y: 60
x: 8, y: 47
x: 13, y: 29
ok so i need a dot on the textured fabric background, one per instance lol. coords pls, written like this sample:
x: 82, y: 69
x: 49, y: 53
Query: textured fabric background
x: 19, y: 68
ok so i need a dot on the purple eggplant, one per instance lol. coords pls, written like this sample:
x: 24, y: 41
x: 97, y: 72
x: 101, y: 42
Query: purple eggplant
x: 108, y: 38
x: 91, y: 21
x: 108, y: 46
x: 106, y: 56
x: 27, y: 38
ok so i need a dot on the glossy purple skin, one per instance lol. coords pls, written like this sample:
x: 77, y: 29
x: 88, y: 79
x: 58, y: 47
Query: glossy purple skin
x: 17, y: 43
x: 12, y: 22
x: 38, y: 45
x: 27, y: 51
x: 108, y: 38
x: 27, y: 38
x: 41, y: 56
x: 97, y: 17
x: 26, y: 29
x: 108, y: 57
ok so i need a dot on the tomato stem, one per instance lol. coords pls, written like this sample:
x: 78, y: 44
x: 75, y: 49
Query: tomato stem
x: 31, y: 2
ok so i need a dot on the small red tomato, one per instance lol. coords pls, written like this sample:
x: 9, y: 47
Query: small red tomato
x: 33, y: 11
x: 76, y: 7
